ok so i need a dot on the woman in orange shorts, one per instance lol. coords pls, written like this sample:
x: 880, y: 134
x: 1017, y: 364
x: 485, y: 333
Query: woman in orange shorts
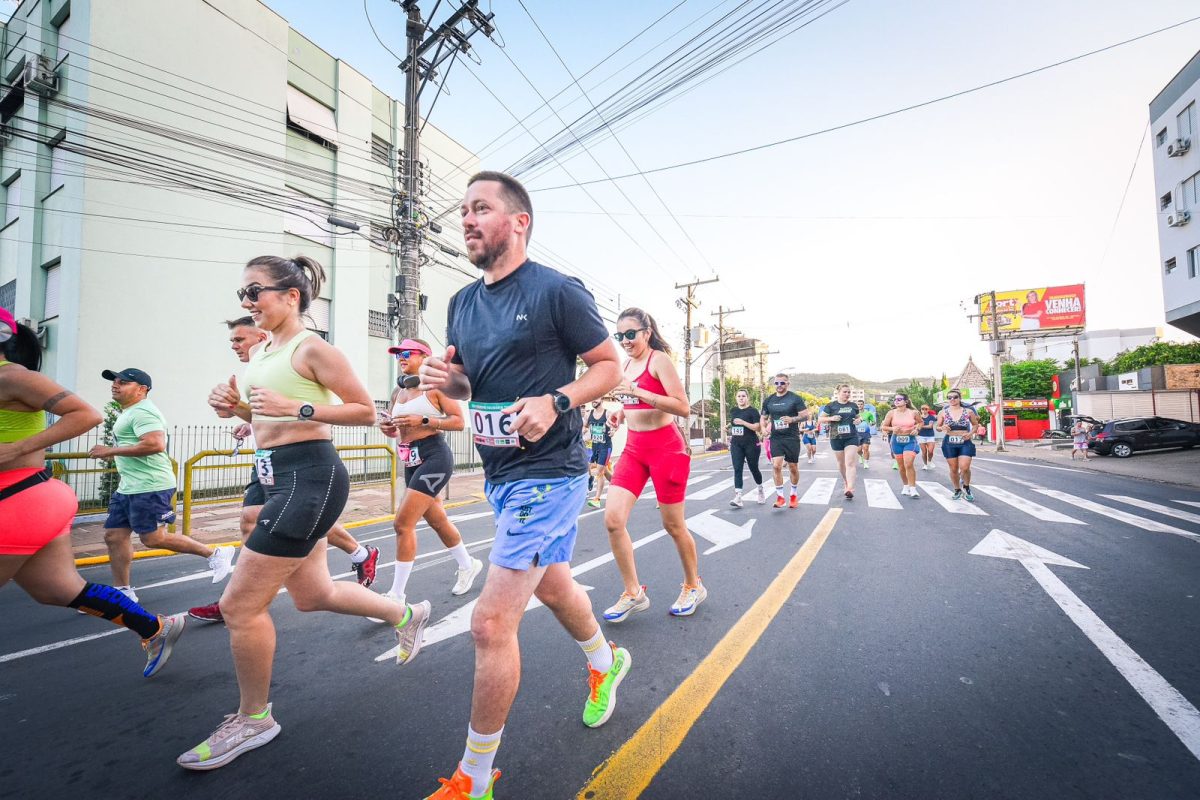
x: 651, y: 395
x: 36, y: 510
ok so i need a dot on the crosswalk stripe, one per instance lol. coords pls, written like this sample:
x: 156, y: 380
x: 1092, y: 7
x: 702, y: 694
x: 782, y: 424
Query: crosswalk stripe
x: 1117, y: 514
x: 941, y: 495
x: 1146, y: 504
x: 820, y: 492
x: 709, y: 491
x: 880, y: 495
x: 1028, y: 506
x: 1188, y: 503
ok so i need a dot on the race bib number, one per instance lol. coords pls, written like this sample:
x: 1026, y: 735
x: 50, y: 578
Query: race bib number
x: 407, y: 455
x: 900, y: 439
x: 263, y: 467
x: 628, y: 400
x: 491, y: 426
x: 738, y: 430
x: 956, y: 439
x: 597, y: 432
x: 780, y: 425
x: 844, y: 430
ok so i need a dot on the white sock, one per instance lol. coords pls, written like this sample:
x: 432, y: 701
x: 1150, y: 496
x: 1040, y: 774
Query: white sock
x: 795, y: 489
x: 461, y: 556
x: 599, y: 654
x: 779, y: 490
x: 400, y: 579
x: 359, y: 555
x: 478, y: 757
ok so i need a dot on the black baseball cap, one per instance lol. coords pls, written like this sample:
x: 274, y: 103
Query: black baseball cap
x: 130, y: 374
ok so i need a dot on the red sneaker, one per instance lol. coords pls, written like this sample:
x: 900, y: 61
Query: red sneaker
x: 794, y: 502
x: 779, y: 501
x: 365, y: 571
x: 209, y: 613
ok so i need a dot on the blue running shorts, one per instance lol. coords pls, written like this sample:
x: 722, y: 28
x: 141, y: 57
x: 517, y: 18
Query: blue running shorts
x: 536, y: 520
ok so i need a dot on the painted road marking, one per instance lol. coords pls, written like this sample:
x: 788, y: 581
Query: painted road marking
x: 1118, y: 514
x: 942, y: 496
x: 820, y: 492
x: 1028, y: 506
x: 46, y: 648
x: 1146, y: 504
x: 880, y: 495
x: 1027, y: 464
x: 721, y: 533
x: 629, y: 771
x: 1188, y: 503
x: 709, y: 491
x: 1171, y: 707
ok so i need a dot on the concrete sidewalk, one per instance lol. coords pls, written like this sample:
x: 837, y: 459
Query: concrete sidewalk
x: 219, y: 523
x: 1178, y: 467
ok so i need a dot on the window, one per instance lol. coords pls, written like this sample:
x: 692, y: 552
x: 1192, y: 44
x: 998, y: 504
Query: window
x: 318, y: 314
x: 1132, y: 425
x: 314, y: 120
x: 1160, y: 138
x: 1169, y: 266
x: 1185, y: 197
x: 53, y: 281
x: 58, y: 162
x: 8, y: 296
x: 1193, y: 256
x: 377, y: 324
x: 1184, y: 121
x: 381, y: 150
x: 12, y: 201
x: 1164, y: 202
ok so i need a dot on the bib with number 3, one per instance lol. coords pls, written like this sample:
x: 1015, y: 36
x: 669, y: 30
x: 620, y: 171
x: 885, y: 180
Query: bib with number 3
x: 491, y: 427
x: 263, y: 467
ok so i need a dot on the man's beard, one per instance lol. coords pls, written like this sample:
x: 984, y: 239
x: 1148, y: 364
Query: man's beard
x: 489, y: 256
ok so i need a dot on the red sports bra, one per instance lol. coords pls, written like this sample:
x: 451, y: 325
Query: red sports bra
x: 647, y: 382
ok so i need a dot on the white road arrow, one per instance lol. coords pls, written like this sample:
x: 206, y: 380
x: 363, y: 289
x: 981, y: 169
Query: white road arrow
x: 1172, y: 707
x: 722, y: 534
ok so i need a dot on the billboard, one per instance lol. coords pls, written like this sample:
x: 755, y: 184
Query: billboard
x: 1029, y: 311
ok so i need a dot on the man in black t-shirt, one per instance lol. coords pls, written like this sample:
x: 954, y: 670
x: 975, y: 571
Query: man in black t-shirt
x: 782, y: 413
x: 513, y: 338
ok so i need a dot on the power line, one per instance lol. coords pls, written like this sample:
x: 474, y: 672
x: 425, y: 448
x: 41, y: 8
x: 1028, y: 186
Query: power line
x: 874, y: 117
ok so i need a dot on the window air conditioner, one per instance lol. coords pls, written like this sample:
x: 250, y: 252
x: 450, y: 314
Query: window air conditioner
x: 39, y: 76
x: 1179, y: 218
x: 1178, y: 147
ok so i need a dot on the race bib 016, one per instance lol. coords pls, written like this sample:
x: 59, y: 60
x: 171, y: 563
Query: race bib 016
x: 263, y: 467
x: 491, y: 427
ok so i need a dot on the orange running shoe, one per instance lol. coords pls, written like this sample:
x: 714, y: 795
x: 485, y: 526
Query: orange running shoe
x: 459, y: 787
x: 794, y: 502
x: 779, y: 501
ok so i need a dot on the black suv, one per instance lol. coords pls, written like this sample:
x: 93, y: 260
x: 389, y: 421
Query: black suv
x: 1121, y: 437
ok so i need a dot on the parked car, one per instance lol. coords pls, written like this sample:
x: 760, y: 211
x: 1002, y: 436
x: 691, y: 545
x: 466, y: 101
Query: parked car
x: 1122, y: 437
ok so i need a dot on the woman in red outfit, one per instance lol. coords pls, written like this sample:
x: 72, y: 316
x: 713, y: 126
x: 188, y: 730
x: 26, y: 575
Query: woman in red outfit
x: 651, y: 395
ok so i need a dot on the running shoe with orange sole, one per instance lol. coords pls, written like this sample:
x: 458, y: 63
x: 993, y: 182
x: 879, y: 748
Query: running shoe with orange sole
x: 458, y: 787
x: 779, y: 501
x: 794, y: 502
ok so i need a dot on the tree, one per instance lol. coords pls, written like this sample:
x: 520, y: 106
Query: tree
x: 919, y: 395
x: 1029, y: 378
x: 1155, y: 355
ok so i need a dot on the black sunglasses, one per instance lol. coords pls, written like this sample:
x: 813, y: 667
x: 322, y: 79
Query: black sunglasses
x: 628, y: 335
x: 254, y: 290
x: 954, y: 397
x: 781, y: 383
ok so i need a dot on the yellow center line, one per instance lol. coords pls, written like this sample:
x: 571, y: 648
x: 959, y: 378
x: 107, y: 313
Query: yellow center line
x: 627, y: 773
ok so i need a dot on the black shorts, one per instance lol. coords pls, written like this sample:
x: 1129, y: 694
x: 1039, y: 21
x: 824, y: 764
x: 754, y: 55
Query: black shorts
x: 436, y: 465
x: 601, y: 453
x: 839, y: 445
x: 864, y: 438
x: 787, y: 449
x: 309, y: 490
x: 255, y: 494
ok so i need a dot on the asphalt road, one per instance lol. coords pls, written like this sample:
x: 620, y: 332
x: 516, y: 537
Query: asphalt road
x: 900, y: 665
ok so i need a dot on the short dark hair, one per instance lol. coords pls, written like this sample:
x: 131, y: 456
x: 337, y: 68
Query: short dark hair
x: 514, y: 195
x: 783, y: 375
x: 24, y: 348
x: 246, y: 321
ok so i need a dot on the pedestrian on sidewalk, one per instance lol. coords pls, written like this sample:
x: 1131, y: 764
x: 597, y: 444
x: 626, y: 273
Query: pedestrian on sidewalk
x: 144, y: 502
x: 1079, y: 439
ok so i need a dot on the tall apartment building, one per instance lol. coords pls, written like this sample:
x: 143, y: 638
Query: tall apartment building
x: 1176, y: 141
x: 149, y: 149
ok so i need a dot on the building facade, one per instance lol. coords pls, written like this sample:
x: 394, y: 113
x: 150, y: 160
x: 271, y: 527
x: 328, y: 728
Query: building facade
x: 1176, y: 150
x: 139, y: 173
x: 1102, y: 344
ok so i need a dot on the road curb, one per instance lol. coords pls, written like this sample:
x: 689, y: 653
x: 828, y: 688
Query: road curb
x: 91, y: 561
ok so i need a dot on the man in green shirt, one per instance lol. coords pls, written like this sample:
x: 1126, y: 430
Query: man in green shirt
x: 866, y: 422
x: 144, y: 500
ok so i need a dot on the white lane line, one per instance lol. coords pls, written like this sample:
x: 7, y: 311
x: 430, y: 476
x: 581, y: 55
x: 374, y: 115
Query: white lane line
x: 1189, y: 503
x: 820, y: 493
x: 46, y: 648
x: 709, y: 491
x: 1146, y: 504
x: 1028, y: 506
x: 942, y: 496
x: 880, y: 495
x: 422, y: 525
x: 1118, y: 514
x: 1027, y: 464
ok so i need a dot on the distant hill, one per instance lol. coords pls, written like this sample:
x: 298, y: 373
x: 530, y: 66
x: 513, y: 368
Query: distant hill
x: 822, y: 384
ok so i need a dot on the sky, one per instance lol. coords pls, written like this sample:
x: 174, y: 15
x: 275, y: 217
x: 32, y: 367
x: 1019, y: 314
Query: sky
x: 859, y: 250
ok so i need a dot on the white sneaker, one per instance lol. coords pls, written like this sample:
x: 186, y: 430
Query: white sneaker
x: 627, y: 604
x: 736, y: 501
x: 762, y: 495
x: 128, y: 592
x: 912, y: 492
x: 810, y: 460
x: 465, y: 578
x: 390, y: 595
x: 221, y: 563
x: 689, y: 598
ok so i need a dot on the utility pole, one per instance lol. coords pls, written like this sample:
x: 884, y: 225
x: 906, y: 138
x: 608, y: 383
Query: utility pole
x: 689, y: 304
x: 1078, y: 380
x: 762, y: 371
x: 450, y: 41
x: 997, y: 348
x: 722, y: 312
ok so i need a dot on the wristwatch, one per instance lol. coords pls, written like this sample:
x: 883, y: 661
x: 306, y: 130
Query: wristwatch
x: 424, y: 420
x: 306, y: 412
x: 562, y: 403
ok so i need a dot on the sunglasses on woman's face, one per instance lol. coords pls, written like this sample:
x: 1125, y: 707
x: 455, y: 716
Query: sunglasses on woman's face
x: 254, y: 290
x: 899, y: 400
x: 953, y: 397
x: 407, y: 354
x: 628, y: 335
